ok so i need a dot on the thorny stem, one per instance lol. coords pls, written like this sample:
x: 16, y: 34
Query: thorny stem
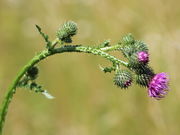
x: 44, y: 54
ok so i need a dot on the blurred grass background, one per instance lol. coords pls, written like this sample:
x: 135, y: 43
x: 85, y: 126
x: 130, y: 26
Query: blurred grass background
x: 87, y: 102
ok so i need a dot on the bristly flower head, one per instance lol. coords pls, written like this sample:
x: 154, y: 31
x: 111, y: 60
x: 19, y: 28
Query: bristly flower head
x: 138, y: 59
x: 66, y: 31
x: 158, y: 87
x: 143, y: 79
x: 123, y: 78
x: 143, y: 57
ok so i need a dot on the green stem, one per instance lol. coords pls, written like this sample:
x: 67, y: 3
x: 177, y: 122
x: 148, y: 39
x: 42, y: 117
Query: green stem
x: 44, y: 54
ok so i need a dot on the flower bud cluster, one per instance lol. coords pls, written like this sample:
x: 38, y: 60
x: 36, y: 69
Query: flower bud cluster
x: 138, y: 56
x: 135, y: 51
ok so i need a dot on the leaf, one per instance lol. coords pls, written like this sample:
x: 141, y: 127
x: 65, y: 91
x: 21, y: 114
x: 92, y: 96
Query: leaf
x: 107, y: 69
x: 45, y: 37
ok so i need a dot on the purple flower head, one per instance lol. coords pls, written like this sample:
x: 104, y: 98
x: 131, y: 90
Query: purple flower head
x: 127, y: 83
x: 158, y: 87
x: 143, y: 57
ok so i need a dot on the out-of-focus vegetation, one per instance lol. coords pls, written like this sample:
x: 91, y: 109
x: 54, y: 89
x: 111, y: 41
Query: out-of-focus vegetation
x: 87, y: 102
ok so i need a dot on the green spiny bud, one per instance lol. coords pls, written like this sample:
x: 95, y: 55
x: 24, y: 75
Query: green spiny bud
x: 127, y: 44
x: 128, y: 39
x: 66, y: 31
x: 142, y: 69
x: 33, y: 73
x: 143, y: 79
x: 133, y: 61
x: 123, y: 78
x: 131, y: 46
x: 140, y: 46
x: 127, y: 51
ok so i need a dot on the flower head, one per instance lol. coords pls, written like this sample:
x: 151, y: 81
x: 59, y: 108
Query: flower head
x: 143, y: 57
x: 123, y: 79
x: 66, y: 31
x: 158, y: 86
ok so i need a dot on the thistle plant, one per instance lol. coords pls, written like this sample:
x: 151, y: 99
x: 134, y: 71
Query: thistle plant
x: 135, y: 69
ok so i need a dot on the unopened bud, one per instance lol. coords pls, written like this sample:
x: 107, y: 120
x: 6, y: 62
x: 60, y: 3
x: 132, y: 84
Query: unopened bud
x: 123, y: 78
x: 66, y: 31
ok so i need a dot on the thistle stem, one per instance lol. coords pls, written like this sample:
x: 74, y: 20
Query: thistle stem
x: 44, y: 54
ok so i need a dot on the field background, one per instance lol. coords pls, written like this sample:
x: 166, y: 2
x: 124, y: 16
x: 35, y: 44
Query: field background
x: 87, y: 102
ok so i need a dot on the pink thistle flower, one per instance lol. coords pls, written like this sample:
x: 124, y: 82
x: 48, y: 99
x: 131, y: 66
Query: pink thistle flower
x: 158, y: 86
x: 143, y: 57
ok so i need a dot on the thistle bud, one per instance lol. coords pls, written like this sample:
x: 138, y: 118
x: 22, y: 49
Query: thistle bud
x: 66, y: 31
x: 33, y: 73
x: 143, y: 79
x: 131, y: 46
x: 140, y: 46
x: 123, y: 78
x: 128, y: 39
x: 143, y: 69
x: 138, y: 59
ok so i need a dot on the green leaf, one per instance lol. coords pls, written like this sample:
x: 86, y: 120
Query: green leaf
x: 107, y: 69
x: 45, y: 37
